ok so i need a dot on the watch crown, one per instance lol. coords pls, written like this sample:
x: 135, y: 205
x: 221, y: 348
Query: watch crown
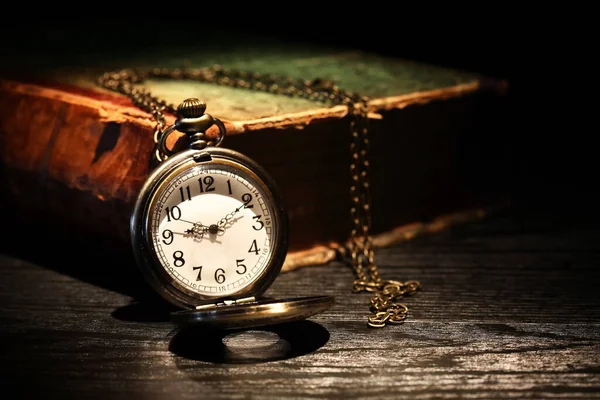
x: 191, y: 108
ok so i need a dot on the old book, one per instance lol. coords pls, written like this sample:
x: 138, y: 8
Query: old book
x: 77, y: 154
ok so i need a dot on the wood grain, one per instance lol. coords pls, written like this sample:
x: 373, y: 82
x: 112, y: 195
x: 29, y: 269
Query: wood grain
x: 510, y: 309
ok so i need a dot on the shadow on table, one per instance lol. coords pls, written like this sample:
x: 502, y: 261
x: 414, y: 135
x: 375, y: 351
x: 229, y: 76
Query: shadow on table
x: 250, y: 346
x: 151, y: 309
x: 85, y: 256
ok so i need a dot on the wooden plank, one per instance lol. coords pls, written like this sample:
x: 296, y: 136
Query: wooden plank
x: 509, y: 310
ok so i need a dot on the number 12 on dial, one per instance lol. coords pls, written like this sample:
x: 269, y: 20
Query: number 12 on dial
x: 214, y: 230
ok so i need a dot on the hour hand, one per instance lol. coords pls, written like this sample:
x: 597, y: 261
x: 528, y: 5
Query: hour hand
x: 197, y: 230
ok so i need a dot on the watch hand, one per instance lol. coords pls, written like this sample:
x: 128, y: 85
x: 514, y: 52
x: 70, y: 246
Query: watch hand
x: 198, y: 234
x: 197, y: 230
x: 190, y: 222
x: 226, y: 219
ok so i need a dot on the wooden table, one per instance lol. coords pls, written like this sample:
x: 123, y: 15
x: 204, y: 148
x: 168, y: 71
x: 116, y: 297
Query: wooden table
x: 510, y: 309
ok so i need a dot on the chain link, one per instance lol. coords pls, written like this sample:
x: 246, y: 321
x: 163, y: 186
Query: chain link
x: 360, y: 248
x: 384, y: 303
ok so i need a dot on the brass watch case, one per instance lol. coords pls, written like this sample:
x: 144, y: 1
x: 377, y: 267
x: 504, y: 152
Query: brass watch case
x: 244, y: 308
x: 168, y: 287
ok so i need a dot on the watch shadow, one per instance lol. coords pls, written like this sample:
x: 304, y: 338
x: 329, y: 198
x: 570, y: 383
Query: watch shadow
x: 146, y: 310
x: 248, y: 346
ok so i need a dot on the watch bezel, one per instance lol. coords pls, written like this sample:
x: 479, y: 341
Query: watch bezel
x: 142, y: 243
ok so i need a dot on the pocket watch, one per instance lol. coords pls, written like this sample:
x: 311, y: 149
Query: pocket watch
x: 209, y: 232
x: 150, y: 236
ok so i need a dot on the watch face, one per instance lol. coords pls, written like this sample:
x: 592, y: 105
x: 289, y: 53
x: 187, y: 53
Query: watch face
x: 213, y: 228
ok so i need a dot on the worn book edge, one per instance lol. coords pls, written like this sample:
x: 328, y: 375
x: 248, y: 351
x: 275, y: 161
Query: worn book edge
x: 321, y: 254
x: 118, y: 113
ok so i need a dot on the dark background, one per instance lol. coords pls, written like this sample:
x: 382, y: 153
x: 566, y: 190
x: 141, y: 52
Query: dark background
x: 554, y: 157
x: 521, y: 291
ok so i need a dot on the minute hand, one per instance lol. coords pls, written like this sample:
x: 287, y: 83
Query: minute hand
x: 227, y: 218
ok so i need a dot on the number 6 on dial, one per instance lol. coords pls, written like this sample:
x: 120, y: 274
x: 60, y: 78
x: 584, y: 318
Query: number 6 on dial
x: 210, y: 233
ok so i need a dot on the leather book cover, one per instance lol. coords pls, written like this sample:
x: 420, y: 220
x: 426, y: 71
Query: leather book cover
x: 78, y: 154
